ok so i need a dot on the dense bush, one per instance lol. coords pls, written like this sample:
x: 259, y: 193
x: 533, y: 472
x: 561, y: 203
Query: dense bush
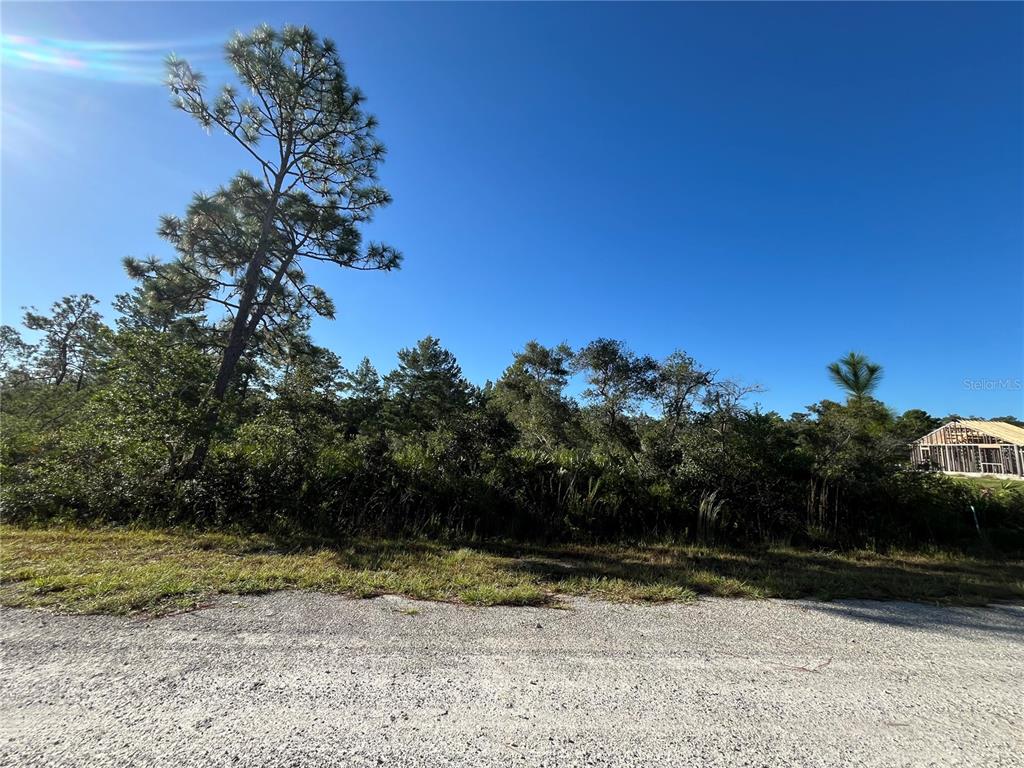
x: 305, y: 445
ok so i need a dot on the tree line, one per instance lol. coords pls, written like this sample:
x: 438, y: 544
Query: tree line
x: 208, y: 402
x: 101, y: 422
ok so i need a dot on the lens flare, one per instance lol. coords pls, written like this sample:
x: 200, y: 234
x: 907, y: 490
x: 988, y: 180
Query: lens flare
x: 112, y: 61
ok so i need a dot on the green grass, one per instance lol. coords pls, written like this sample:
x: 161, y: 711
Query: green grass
x: 991, y: 483
x: 125, y: 570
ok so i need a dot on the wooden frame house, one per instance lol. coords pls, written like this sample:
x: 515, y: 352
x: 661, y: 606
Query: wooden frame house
x: 972, y: 448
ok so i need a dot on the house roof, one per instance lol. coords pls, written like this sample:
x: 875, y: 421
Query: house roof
x: 1001, y: 429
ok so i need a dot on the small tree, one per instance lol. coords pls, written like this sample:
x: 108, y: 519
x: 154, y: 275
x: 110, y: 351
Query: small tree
x: 364, y: 397
x: 427, y: 389
x: 15, y: 357
x: 70, y: 345
x: 530, y: 393
x: 852, y: 450
x: 915, y: 423
x: 618, y: 380
x: 244, y: 248
x: 680, y: 385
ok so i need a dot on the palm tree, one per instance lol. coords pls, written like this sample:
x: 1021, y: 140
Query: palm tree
x: 856, y: 374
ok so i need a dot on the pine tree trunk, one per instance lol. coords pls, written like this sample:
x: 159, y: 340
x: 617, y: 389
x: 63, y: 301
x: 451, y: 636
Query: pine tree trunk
x: 246, y: 321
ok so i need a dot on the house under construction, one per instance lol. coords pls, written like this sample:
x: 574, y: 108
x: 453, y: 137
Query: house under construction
x: 972, y: 448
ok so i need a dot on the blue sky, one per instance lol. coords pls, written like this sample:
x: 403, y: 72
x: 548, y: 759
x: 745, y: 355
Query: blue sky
x: 766, y: 186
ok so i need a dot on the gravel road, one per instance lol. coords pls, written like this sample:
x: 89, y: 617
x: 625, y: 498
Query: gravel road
x: 299, y: 679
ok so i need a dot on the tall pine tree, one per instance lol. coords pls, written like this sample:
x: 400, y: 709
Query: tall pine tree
x: 244, y: 248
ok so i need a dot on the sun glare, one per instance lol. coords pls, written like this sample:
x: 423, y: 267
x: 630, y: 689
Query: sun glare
x: 139, y: 62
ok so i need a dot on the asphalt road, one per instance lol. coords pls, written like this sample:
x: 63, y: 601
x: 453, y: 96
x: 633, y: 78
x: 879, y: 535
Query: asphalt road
x: 295, y: 679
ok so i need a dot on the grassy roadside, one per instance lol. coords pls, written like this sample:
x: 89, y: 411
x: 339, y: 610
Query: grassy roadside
x: 144, y: 571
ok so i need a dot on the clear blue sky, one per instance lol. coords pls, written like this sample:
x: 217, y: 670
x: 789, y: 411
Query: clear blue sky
x: 767, y: 186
